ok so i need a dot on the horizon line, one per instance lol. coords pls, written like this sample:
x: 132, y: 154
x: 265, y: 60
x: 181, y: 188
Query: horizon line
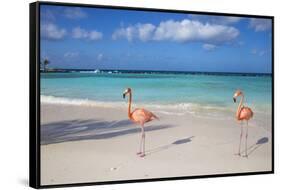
x: 141, y: 70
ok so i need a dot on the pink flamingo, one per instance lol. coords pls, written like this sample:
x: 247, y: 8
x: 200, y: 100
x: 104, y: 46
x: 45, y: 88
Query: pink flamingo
x: 242, y: 113
x: 139, y: 116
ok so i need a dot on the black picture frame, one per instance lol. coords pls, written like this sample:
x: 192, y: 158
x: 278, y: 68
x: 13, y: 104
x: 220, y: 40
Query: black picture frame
x: 34, y: 93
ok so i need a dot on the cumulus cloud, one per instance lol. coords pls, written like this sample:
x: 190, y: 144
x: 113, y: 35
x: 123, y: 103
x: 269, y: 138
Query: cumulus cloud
x: 209, y: 47
x: 51, y: 31
x: 179, y: 31
x: 259, y: 24
x: 141, y: 31
x: 188, y: 30
x: 145, y: 31
x: 124, y: 33
x: 79, y: 33
x: 74, y: 13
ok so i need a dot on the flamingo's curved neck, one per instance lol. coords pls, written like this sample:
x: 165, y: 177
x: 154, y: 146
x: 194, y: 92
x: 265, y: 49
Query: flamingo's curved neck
x: 239, y: 107
x: 129, y: 107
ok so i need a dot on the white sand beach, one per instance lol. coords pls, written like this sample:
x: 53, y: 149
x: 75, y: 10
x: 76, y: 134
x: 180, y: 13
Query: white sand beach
x: 93, y: 144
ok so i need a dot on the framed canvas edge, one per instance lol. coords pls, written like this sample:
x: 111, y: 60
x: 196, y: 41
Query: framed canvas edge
x: 34, y: 95
x: 34, y: 102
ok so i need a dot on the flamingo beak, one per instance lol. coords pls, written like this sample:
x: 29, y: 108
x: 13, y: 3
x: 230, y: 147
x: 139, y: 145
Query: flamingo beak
x: 124, y: 95
x: 234, y: 100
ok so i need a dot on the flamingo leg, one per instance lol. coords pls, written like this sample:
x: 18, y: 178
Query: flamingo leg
x: 246, y: 145
x: 140, y: 151
x: 241, y: 134
x: 143, y: 141
x: 143, y: 150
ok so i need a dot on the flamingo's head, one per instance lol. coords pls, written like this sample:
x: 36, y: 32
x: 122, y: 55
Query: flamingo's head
x: 127, y: 91
x: 236, y: 94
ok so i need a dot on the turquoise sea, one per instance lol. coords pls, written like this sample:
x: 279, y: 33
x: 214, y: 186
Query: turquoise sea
x: 177, y: 92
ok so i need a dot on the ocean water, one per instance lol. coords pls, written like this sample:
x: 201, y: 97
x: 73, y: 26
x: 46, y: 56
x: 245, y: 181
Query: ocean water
x: 169, y: 92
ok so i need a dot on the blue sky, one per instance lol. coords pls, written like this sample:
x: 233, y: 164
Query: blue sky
x: 89, y: 38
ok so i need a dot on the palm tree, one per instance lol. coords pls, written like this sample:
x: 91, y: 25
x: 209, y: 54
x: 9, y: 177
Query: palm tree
x: 45, y: 63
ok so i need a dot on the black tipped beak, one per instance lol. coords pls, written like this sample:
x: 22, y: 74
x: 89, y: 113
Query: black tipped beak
x: 124, y: 95
x: 234, y: 100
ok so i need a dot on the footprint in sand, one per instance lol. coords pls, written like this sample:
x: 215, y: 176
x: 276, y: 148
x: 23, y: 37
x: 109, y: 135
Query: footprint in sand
x: 114, y: 168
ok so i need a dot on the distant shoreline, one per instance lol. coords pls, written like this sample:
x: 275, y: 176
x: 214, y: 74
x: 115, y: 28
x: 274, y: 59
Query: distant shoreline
x: 154, y: 72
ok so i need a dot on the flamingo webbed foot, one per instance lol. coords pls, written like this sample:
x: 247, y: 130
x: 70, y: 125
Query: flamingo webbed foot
x: 245, y: 156
x: 139, y: 153
x: 142, y: 155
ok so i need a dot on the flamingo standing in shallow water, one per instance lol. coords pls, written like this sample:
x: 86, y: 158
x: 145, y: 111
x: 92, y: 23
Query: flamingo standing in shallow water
x: 139, y: 116
x: 242, y: 113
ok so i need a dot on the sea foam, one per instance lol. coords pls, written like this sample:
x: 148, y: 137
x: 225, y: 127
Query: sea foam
x: 178, y: 109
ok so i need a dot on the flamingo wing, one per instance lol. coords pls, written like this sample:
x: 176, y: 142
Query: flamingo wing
x: 142, y: 116
x: 246, y: 113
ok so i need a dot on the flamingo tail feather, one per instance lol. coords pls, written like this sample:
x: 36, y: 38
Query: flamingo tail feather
x: 153, y: 115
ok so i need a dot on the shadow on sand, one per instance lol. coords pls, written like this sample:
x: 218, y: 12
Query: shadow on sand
x: 161, y: 148
x: 256, y: 145
x: 75, y: 130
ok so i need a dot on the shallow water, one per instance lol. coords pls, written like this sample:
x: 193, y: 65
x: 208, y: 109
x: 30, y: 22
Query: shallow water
x: 174, y: 92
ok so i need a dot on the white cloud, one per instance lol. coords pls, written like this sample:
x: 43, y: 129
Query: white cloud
x: 259, y: 24
x: 74, y: 13
x: 178, y: 31
x: 51, y: 31
x: 259, y: 52
x: 80, y: 33
x: 95, y: 35
x: 145, y: 31
x: 209, y: 47
x: 124, y: 33
x: 229, y: 20
x: 188, y: 30
x: 47, y: 15
x: 99, y: 56
x: 71, y: 54
x: 224, y: 20
x: 141, y: 31
x: 254, y: 51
